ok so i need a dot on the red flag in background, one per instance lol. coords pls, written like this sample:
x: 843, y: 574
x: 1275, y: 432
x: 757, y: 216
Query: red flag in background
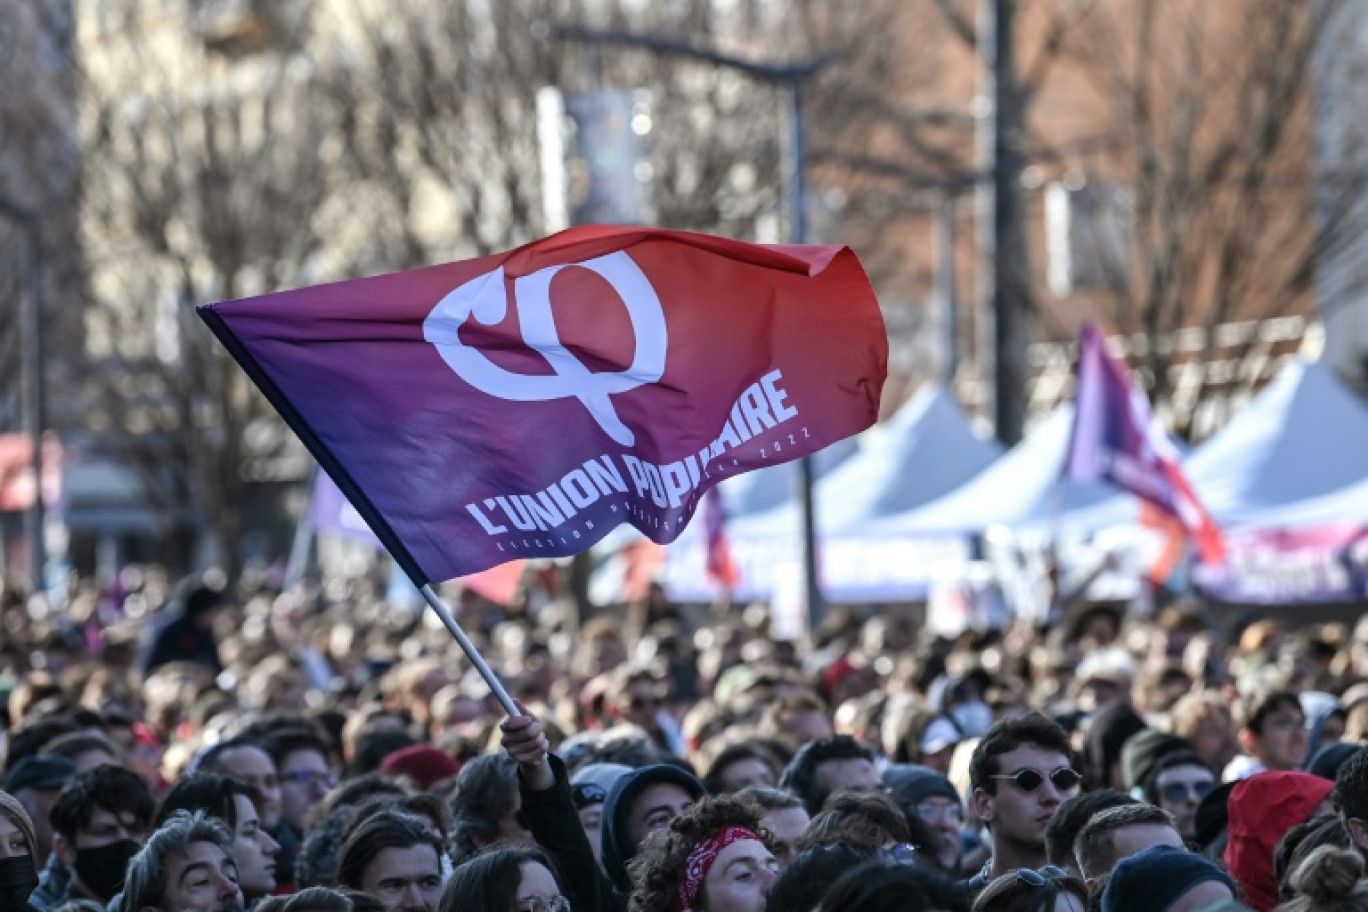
x: 721, y: 566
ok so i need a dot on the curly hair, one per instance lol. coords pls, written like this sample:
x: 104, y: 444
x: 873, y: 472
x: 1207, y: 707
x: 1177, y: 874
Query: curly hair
x: 659, y: 867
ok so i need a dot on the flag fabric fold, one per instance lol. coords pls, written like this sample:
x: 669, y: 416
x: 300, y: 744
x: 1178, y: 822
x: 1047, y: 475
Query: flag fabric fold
x: 1117, y: 439
x: 525, y: 404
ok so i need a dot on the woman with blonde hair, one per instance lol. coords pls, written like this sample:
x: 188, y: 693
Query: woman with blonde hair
x: 18, y: 849
x: 1329, y: 879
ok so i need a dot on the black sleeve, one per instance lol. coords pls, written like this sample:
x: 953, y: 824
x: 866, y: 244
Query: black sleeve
x: 551, y: 816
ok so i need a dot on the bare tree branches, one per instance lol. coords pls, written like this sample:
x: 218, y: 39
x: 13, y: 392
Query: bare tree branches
x: 1215, y: 112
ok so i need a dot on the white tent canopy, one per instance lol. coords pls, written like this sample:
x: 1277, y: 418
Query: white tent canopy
x: 1302, y: 438
x: 1346, y: 504
x: 926, y: 450
x: 1022, y: 487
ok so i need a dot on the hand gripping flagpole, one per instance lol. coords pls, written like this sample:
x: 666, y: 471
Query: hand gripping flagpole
x: 495, y: 685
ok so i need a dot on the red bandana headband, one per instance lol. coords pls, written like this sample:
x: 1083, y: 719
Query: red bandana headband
x: 701, y: 861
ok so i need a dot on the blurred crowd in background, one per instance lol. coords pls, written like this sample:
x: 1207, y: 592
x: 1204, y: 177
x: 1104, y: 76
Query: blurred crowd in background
x: 178, y: 745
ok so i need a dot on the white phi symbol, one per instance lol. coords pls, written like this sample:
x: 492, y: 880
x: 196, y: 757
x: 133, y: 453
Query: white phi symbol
x: 485, y: 299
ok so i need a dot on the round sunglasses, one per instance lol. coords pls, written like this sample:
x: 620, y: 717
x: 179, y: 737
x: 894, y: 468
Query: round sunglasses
x: 1028, y: 780
x: 1175, y: 792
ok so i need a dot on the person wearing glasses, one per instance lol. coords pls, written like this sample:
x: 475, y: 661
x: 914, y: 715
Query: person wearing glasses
x: 1019, y: 775
x: 930, y: 804
x: 303, y: 771
x: 1049, y: 889
x: 514, y: 879
x: 1178, y: 784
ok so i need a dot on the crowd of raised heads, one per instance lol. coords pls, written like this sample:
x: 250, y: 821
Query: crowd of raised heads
x: 175, y: 747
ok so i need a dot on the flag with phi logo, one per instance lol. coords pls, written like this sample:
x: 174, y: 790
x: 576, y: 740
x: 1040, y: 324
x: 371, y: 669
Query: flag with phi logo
x: 527, y: 403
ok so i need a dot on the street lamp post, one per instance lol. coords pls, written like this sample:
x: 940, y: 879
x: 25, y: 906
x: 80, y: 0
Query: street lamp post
x: 792, y: 78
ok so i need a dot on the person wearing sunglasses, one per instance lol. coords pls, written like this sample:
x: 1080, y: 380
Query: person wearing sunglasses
x: 1048, y: 889
x: 1178, y: 784
x: 1020, y: 773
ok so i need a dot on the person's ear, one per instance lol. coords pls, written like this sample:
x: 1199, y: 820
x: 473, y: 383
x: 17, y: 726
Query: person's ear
x: 1358, y: 831
x: 65, y: 851
x: 983, y: 804
x: 1248, y: 740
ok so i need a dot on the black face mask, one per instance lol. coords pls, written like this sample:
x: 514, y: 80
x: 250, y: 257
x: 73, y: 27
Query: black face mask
x: 17, y: 880
x: 102, y: 870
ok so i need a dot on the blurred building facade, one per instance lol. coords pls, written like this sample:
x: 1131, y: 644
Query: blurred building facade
x: 40, y: 171
x: 250, y: 145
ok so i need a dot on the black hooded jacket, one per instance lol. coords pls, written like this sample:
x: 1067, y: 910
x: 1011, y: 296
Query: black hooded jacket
x: 551, y: 816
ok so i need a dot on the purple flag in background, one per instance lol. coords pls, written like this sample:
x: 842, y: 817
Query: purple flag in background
x: 1117, y: 439
x: 331, y: 512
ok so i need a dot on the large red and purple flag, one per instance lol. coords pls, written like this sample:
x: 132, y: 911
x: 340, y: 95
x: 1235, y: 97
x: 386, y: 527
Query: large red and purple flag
x: 527, y: 403
x: 1117, y: 439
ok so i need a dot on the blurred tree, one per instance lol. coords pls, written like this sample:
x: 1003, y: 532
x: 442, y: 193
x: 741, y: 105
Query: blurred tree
x: 238, y: 150
x: 197, y: 189
x: 1212, y: 131
x: 239, y: 147
x: 1180, y: 136
x: 40, y: 169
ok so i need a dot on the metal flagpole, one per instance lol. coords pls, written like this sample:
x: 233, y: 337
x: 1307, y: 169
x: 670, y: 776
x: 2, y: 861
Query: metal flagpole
x: 495, y: 685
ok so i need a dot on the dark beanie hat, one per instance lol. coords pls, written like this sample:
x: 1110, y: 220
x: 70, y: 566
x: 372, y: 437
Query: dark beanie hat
x: 1153, y: 880
x: 618, y: 845
x: 1143, y: 752
x: 42, y: 774
x: 913, y: 784
x: 1327, y: 761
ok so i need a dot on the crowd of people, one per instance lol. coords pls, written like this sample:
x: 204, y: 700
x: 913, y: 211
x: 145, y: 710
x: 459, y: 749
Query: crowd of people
x: 190, y: 747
